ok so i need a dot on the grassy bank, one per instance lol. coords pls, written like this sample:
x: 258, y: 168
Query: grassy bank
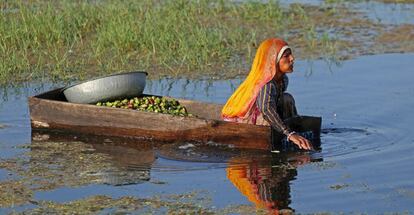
x: 65, y: 40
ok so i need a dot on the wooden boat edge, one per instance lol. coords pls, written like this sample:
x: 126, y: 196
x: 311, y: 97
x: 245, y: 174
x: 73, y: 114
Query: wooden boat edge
x: 205, y: 129
x: 198, y: 129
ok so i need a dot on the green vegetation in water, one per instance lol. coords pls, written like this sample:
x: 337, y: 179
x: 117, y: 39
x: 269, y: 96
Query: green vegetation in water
x: 51, y: 165
x: 338, y: 186
x: 67, y: 40
x: 149, y: 104
x: 14, y: 193
x: 191, y: 203
x: 177, y: 204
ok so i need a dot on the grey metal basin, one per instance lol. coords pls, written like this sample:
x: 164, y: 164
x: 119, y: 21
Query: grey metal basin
x: 121, y: 85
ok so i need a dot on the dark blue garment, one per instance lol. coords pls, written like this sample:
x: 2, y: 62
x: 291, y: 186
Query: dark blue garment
x: 268, y: 104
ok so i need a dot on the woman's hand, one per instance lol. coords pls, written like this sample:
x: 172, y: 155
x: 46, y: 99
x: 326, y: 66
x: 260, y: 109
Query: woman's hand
x: 301, y: 142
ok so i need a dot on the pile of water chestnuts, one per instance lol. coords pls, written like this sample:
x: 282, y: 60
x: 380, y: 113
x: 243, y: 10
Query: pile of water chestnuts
x: 149, y: 104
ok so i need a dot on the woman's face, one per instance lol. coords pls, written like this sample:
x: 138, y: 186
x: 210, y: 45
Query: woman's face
x: 286, y: 62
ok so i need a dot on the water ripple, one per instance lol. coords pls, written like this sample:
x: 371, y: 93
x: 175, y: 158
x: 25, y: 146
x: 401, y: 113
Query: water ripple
x: 353, y: 141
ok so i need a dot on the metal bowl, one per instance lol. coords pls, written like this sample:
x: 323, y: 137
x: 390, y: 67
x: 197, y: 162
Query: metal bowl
x: 121, y: 85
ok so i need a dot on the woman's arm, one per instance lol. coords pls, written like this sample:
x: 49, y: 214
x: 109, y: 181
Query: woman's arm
x: 266, y: 102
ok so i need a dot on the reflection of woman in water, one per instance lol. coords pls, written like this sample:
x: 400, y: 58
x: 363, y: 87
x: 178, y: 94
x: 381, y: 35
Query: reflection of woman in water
x: 261, y: 99
x: 265, y: 184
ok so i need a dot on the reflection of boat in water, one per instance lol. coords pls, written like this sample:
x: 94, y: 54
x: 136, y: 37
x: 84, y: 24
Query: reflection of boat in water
x: 119, y: 163
x: 132, y: 165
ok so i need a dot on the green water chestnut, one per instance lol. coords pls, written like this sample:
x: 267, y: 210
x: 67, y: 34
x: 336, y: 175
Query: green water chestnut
x: 149, y: 104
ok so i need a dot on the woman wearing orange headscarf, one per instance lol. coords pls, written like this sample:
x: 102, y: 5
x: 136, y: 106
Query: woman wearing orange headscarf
x: 261, y: 99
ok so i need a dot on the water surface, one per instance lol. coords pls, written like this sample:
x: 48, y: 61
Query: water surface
x: 365, y: 164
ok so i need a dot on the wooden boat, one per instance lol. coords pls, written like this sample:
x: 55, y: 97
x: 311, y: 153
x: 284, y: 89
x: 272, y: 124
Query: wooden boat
x: 50, y: 110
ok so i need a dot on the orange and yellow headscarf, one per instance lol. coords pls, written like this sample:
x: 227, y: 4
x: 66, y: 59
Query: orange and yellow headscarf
x: 263, y: 70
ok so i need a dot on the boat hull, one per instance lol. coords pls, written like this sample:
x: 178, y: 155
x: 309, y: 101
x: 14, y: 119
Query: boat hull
x: 51, y: 111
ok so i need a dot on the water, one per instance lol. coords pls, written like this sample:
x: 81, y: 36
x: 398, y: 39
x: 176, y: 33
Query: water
x: 395, y: 14
x: 365, y: 164
x: 391, y: 13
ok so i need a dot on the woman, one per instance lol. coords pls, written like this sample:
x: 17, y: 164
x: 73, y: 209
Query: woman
x: 260, y: 99
x: 264, y: 180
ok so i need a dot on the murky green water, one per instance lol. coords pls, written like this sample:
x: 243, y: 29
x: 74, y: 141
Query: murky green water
x: 365, y: 164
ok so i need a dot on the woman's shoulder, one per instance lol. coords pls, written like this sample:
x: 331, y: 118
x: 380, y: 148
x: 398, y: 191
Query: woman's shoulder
x: 271, y: 85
